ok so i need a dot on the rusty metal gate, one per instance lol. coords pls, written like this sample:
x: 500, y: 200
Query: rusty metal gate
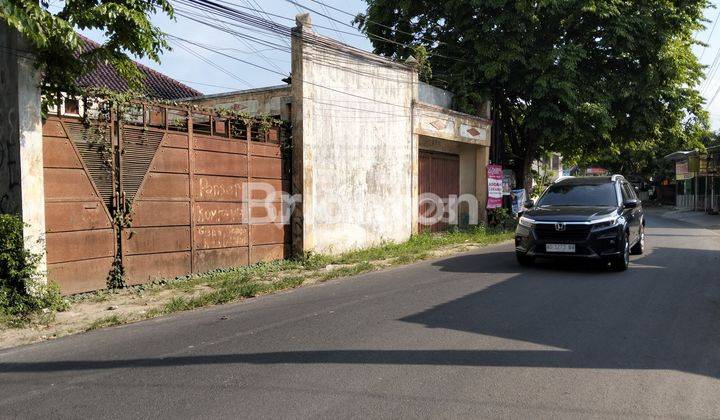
x: 165, y: 193
x: 439, y: 174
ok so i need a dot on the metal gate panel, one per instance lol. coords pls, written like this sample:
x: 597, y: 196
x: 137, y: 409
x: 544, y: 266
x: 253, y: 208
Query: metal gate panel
x: 160, y: 213
x: 212, y: 259
x: 96, y: 152
x: 80, y: 239
x: 146, y: 267
x: 138, y: 150
x: 181, y: 179
x: 439, y: 174
x: 171, y: 160
x: 156, y: 178
x: 220, y: 233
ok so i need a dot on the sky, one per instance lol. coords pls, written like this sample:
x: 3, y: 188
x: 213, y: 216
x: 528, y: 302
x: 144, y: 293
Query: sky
x: 710, y: 87
x: 225, y: 74
x: 193, y: 71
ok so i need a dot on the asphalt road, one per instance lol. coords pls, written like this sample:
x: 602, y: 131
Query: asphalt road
x: 468, y: 336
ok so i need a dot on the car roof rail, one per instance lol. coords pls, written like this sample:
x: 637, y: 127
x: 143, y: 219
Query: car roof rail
x: 617, y: 177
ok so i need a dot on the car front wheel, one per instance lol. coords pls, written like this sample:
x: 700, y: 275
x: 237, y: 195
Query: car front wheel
x: 639, y: 247
x: 622, y: 261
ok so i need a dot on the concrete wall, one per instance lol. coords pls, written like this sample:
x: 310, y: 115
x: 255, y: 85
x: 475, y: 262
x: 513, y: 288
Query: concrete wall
x: 273, y: 100
x: 432, y: 95
x: 21, y: 153
x: 354, y: 145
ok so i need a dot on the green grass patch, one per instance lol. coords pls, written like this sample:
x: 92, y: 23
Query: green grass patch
x: 108, y: 321
x: 420, y: 245
x: 352, y: 270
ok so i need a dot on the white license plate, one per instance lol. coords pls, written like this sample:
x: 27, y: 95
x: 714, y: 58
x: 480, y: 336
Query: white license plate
x: 565, y: 248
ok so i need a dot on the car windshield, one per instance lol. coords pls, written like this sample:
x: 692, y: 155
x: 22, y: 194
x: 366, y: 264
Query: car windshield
x: 580, y: 195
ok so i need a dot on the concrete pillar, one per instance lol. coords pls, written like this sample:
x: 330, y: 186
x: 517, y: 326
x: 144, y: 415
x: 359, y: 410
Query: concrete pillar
x: 468, y: 181
x: 415, y: 167
x: 301, y: 226
x: 482, y: 158
x: 22, y: 189
x: 415, y: 188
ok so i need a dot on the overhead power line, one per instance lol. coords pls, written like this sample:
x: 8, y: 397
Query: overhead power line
x: 371, y: 35
x: 193, y: 82
x: 215, y: 65
x: 275, y: 28
x: 334, y: 27
x: 231, y: 16
x: 332, y: 23
x: 710, y: 36
x: 376, y: 23
x: 205, y: 22
x: 319, y: 85
x: 255, y: 50
x: 250, y: 63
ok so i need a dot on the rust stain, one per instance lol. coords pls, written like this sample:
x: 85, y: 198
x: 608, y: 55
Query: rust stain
x: 473, y: 132
x: 439, y: 124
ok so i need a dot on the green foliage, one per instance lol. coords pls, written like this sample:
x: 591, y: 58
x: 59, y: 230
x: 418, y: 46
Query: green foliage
x: 125, y: 23
x: 108, y: 321
x: 17, y: 264
x: 20, y: 295
x: 576, y: 78
x: 501, y: 219
x: 421, y: 55
x: 647, y: 158
x: 116, y: 277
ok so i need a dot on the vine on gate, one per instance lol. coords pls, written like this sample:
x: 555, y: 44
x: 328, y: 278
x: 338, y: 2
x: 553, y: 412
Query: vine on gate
x: 106, y: 109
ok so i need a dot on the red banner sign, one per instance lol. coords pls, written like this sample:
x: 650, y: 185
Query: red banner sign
x: 495, y: 186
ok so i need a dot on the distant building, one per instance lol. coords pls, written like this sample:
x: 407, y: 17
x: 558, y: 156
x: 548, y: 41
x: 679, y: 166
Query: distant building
x: 549, y: 167
x: 695, y: 179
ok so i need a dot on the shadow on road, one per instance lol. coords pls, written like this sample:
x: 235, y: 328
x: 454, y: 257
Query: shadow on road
x: 665, y: 316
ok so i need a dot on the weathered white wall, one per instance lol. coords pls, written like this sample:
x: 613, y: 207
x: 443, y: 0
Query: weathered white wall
x: 273, y: 100
x: 21, y: 153
x: 433, y: 95
x: 353, y: 123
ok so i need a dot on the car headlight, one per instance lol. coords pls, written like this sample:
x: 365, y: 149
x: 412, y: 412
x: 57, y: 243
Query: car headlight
x: 606, y: 223
x: 526, y: 222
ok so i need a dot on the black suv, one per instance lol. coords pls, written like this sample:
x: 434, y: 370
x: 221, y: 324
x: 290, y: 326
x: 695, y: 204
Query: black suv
x: 597, y: 218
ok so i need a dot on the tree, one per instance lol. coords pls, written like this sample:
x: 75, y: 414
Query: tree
x: 57, y: 47
x: 574, y: 77
x: 647, y: 158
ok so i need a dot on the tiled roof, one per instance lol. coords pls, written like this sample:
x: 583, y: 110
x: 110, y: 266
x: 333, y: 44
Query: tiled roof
x: 156, y: 84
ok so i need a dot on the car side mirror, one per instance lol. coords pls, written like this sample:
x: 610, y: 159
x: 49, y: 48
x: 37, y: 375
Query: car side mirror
x: 631, y: 204
x: 529, y: 204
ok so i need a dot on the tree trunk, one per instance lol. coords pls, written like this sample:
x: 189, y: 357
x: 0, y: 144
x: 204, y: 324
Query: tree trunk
x: 523, y: 147
x: 527, y: 173
x: 523, y: 164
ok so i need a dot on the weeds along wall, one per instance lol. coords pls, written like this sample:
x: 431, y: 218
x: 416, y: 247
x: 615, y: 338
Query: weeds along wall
x: 151, y: 191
